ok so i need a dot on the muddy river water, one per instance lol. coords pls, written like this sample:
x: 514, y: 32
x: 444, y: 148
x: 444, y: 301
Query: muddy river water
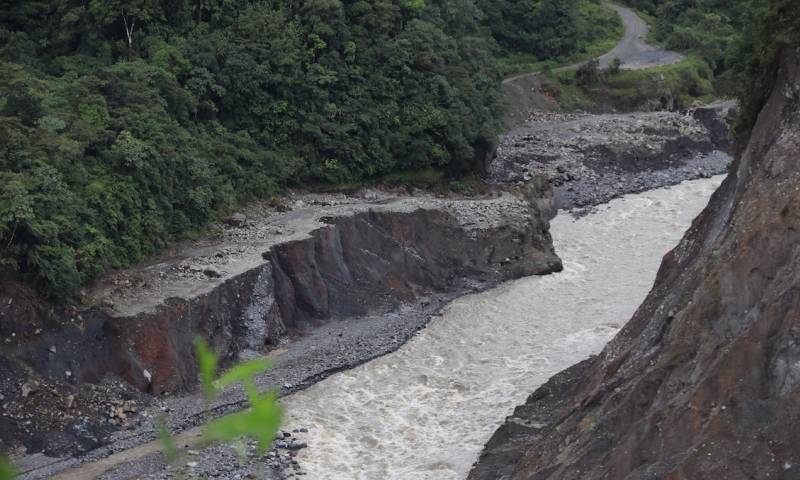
x: 425, y: 411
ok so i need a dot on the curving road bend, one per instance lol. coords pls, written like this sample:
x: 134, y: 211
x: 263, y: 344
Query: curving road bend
x: 632, y: 49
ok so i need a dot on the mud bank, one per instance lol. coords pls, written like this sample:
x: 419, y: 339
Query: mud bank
x: 71, y: 376
x: 704, y: 380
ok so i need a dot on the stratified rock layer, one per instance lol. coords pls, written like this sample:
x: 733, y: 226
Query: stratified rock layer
x: 249, y: 289
x: 704, y: 381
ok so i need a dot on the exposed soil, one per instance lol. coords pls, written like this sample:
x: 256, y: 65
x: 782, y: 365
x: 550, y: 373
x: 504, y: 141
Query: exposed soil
x: 319, y: 282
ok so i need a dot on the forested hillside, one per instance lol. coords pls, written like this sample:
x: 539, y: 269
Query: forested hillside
x: 711, y: 29
x: 738, y: 39
x: 125, y: 125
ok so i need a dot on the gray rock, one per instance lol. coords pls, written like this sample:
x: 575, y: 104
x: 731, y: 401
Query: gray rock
x: 237, y: 220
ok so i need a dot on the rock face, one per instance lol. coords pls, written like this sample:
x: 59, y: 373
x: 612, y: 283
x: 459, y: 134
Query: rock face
x: 371, y: 259
x: 704, y: 381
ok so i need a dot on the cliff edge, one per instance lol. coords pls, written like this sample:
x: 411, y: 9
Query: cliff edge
x: 704, y: 381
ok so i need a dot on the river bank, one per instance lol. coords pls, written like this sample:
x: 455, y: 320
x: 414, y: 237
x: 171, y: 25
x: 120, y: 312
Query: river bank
x: 590, y: 159
x: 313, y: 353
x: 321, y: 283
x: 426, y: 411
x: 332, y: 429
x: 308, y: 356
x: 319, y: 287
x: 361, y: 273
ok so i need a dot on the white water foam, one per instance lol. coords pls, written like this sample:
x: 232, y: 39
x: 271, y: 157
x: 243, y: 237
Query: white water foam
x: 425, y: 411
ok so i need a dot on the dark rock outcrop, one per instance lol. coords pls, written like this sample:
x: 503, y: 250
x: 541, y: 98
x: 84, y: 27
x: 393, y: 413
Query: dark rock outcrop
x: 365, y: 263
x: 704, y: 381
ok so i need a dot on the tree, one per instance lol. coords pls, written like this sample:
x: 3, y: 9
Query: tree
x: 130, y: 13
x: 588, y: 74
x: 615, y: 66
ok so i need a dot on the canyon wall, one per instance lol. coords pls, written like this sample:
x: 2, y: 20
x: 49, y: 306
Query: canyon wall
x: 704, y: 381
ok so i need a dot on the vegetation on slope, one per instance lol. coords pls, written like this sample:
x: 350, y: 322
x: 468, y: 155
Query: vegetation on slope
x: 535, y: 35
x: 774, y: 26
x: 729, y: 35
x: 125, y: 125
x: 706, y: 28
x: 668, y: 87
x: 731, y: 45
x: 738, y: 39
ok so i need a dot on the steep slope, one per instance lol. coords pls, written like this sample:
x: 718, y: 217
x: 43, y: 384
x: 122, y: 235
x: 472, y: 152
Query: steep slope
x: 704, y: 381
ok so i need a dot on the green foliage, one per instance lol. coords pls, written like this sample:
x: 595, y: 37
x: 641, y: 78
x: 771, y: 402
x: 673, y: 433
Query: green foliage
x: 615, y: 66
x: 671, y: 86
x: 755, y: 56
x: 127, y: 125
x: 168, y: 445
x: 740, y: 41
x: 243, y: 372
x: 537, y: 34
x: 588, y: 74
x: 7, y: 471
x: 261, y: 421
x: 708, y: 29
x: 207, y: 366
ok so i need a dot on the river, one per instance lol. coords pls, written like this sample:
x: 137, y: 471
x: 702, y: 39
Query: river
x: 425, y: 411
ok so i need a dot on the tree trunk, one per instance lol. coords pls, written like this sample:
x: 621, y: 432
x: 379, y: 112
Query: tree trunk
x: 129, y: 29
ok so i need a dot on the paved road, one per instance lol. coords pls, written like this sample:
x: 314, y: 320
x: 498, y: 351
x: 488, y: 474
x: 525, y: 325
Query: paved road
x: 632, y: 48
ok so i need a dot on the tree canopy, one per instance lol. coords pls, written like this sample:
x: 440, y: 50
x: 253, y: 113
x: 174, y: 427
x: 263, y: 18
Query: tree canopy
x: 125, y: 125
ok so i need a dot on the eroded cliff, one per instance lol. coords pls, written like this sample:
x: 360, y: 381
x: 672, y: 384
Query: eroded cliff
x: 704, y: 381
x: 69, y: 376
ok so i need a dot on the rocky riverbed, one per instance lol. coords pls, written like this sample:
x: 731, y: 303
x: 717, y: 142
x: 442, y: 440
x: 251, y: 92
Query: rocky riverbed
x: 590, y: 159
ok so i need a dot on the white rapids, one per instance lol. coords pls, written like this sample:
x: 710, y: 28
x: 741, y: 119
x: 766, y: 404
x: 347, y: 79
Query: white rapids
x: 425, y: 411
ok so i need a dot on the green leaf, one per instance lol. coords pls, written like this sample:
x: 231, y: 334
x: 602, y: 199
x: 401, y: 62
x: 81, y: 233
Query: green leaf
x: 167, y: 442
x: 260, y: 422
x: 7, y: 471
x: 207, y: 363
x: 243, y: 371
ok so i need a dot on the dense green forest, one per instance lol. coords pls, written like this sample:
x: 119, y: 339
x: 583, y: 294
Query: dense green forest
x: 532, y: 35
x: 125, y: 125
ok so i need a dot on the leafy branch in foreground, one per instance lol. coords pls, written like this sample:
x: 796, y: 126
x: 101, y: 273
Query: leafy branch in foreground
x: 7, y: 471
x: 259, y: 422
